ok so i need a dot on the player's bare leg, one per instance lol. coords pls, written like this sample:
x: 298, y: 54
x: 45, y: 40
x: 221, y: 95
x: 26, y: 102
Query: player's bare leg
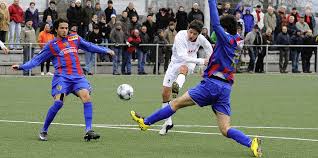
x: 223, y: 122
x: 178, y: 84
x: 58, y: 104
x: 88, y: 114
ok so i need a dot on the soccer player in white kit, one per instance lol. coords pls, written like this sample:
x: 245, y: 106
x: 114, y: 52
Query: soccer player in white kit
x: 183, y: 61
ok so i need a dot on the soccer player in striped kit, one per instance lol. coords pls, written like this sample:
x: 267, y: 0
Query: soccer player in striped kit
x: 215, y: 88
x: 68, y: 77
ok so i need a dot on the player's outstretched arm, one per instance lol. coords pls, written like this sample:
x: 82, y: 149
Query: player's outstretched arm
x: 215, y: 20
x: 93, y: 48
x: 43, y: 55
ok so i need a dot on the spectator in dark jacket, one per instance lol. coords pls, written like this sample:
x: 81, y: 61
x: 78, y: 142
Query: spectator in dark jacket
x: 51, y: 11
x: 283, y: 38
x: 162, y: 19
x: 151, y: 27
x: 117, y: 36
x: 142, y: 52
x: 96, y: 38
x: 98, y: 11
x: 124, y: 21
x: 88, y: 13
x: 294, y: 13
x: 182, y: 19
x: 296, y: 39
x: 134, y: 24
x: 72, y: 14
x: 109, y: 11
x: 33, y: 13
x: 131, y: 10
x: 227, y: 8
x: 220, y: 9
x: 310, y: 19
x: 308, y: 51
x: 195, y: 14
x: 79, y: 15
x: 267, y: 40
x: 292, y: 29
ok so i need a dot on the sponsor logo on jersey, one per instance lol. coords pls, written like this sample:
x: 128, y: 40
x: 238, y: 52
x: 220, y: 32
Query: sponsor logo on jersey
x: 68, y: 51
x: 72, y: 38
x: 59, y: 87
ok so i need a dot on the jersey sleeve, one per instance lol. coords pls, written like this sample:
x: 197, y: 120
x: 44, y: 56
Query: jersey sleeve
x: 215, y: 20
x: 91, y: 47
x: 182, y: 51
x: 206, y: 46
x: 2, y: 46
x: 43, y: 55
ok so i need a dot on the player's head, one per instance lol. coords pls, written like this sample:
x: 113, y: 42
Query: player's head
x: 194, y: 29
x: 61, y: 27
x: 229, y: 23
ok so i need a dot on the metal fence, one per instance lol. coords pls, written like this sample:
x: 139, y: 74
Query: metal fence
x: 156, y: 48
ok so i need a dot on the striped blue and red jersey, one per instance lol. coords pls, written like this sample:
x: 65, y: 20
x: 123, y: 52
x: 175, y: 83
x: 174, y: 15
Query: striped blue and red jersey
x: 64, y: 54
x: 224, y: 58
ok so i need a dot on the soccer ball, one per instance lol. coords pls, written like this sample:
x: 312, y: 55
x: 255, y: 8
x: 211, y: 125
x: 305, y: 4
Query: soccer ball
x: 125, y: 92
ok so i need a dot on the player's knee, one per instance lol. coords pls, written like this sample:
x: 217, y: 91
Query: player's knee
x: 85, y: 97
x: 223, y: 130
x: 183, y: 69
x: 60, y: 97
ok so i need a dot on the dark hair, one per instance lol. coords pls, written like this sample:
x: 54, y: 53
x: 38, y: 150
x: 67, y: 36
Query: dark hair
x: 196, y: 25
x: 57, y: 23
x: 32, y: 3
x: 52, y: 2
x: 159, y: 31
x: 229, y: 23
x: 110, y: 2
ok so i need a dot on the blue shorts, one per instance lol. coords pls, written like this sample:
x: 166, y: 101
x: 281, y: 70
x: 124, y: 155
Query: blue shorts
x: 213, y: 92
x: 69, y: 84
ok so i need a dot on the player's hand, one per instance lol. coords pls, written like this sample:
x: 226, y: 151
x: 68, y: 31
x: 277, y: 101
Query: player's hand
x: 15, y: 67
x: 206, y: 62
x: 5, y: 50
x: 111, y: 52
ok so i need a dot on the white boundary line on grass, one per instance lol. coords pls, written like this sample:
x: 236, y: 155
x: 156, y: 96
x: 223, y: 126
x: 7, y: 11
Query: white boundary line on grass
x: 133, y: 128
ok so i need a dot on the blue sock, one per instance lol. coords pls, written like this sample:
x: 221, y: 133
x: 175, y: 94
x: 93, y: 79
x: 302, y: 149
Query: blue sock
x: 239, y: 137
x: 88, y: 114
x: 51, y: 114
x: 159, y: 115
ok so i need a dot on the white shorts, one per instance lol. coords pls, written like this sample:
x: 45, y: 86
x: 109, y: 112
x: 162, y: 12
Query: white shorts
x: 173, y: 72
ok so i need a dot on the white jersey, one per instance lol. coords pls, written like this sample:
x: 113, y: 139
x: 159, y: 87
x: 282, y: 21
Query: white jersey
x: 185, y: 51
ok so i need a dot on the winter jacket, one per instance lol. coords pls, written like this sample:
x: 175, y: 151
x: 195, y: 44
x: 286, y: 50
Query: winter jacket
x: 303, y: 27
x: 291, y: 29
x: 28, y: 35
x: 145, y: 39
x: 95, y: 37
x: 297, y: 40
x: 170, y: 35
x: 162, y: 21
x: 311, y: 22
x: 195, y: 15
x: 132, y: 12
x: 16, y: 13
x: 108, y: 12
x: 117, y: 36
x: 260, y: 23
x: 151, y: 29
x: 134, y: 43
x: 72, y: 15
x: 309, y: 40
x: 51, y: 12
x: 88, y: 14
x: 34, y: 16
x: 182, y: 20
x: 283, y: 39
x: 45, y: 37
x: 248, y: 21
x: 270, y: 21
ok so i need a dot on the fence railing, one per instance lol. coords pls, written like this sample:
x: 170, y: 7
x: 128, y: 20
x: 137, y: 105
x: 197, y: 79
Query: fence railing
x: 156, y: 48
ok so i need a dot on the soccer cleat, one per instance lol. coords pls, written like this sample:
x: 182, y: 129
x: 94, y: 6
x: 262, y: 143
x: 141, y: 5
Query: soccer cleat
x: 139, y: 120
x: 43, y: 136
x: 256, y: 147
x: 91, y: 135
x: 175, y: 89
x: 165, y: 128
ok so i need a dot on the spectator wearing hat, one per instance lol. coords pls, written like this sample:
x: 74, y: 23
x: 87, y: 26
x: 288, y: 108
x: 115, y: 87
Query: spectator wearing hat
x: 295, y: 14
x: 28, y: 36
x: 248, y: 20
x: 111, y: 24
x: 283, y: 38
x: 131, y: 11
x: 151, y: 27
x: 182, y: 19
x: 195, y: 14
x: 253, y: 38
x: 302, y: 25
x: 16, y: 19
x: 51, y: 10
x: 220, y: 9
x: 78, y: 18
x: 117, y: 36
x: 4, y: 21
x: 270, y: 19
x: 33, y: 13
x: 258, y: 17
x: 109, y: 11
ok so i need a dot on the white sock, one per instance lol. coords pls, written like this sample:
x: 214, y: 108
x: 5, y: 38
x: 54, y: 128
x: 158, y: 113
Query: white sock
x: 167, y: 120
x: 180, y: 80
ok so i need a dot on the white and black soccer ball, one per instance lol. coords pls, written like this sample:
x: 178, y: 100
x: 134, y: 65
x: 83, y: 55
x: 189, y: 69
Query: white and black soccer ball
x: 125, y: 92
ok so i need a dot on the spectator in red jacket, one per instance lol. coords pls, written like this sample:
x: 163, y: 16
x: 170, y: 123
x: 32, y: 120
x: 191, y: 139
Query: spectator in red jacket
x: 133, y: 43
x: 16, y: 18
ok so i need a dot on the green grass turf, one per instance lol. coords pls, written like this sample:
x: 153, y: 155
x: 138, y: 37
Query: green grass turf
x: 257, y: 100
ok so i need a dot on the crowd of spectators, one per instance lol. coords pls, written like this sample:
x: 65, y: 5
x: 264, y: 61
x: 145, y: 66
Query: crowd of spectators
x: 256, y: 25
